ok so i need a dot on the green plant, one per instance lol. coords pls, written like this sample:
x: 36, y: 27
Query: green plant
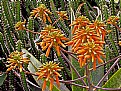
x: 46, y: 35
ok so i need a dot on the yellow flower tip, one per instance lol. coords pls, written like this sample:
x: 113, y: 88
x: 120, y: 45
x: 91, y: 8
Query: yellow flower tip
x: 62, y: 14
x: 41, y: 12
x: 112, y: 20
x: 20, y: 25
x: 20, y: 68
x: 109, y: 31
x: 16, y: 59
x: 119, y: 43
x: 49, y: 71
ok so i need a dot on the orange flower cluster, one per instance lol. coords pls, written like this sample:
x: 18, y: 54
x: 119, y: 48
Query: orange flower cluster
x: 20, y: 25
x: 52, y: 37
x: 88, y: 40
x: 41, y: 12
x: 16, y: 60
x: 63, y: 15
x: 48, y: 71
x: 112, y: 20
x: 81, y: 21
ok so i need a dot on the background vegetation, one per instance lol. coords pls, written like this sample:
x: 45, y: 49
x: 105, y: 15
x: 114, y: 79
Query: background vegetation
x: 11, y: 40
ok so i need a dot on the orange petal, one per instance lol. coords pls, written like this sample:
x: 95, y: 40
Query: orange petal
x: 44, y: 85
x: 44, y: 18
x: 82, y: 51
x: 57, y: 81
x: 95, y: 37
x: 69, y: 43
x: 93, y: 56
x: 64, y: 38
x: 94, y: 65
x: 99, y: 59
x: 48, y: 18
x: 57, y: 73
x: 98, y: 33
x: 36, y: 15
x: 99, y: 52
x: 48, y: 52
x: 61, y: 44
x: 77, y: 43
x: 48, y: 76
x: 99, y: 42
x: 74, y: 29
x: 46, y: 39
x: 84, y: 61
x: 80, y: 60
x: 87, y: 56
x: 45, y: 47
x: 39, y: 77
x: 75, y: 49
x: 51, y: 84
x: 20, y: 68
x: 84, y: 38
x: 99, y: 48
x: 103, y: 35
x: 58, y: 50
x: 51, y: 44
x: 9, y: 69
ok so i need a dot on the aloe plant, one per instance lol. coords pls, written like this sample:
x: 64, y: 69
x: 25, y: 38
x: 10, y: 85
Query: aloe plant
x: 73, y: 77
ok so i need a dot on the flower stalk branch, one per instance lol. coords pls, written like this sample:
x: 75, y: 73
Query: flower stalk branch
x: 117, y: 27
x: 99, y: 83
x: 109, y: 61
x: 88, y: 78
x: 73, y: 68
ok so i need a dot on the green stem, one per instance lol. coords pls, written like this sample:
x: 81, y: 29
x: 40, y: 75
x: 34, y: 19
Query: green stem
x: 23, y: 79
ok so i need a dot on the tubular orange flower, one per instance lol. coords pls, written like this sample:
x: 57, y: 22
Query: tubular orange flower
x: 48, y: 71
x: 16, y: 60
x: 48, y: 29
x: 52, y: 38
x: 81, y: 36
x: 41, y: 12
x: 90, y: 51
x: 112, y: 20
x: 20, y: 25
x: 99, y: 27
x: 79, y: 22
x: 62, y: 14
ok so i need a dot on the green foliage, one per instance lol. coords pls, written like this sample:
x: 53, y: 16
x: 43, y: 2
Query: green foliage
x: 114, y: 81
x: 11, y: 40
x: 2, y: 78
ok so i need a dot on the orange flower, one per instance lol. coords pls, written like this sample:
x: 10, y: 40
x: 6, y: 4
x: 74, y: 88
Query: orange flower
x: 62, y: 14
x: 88, y: 40
x: 83, y: 35
x: 112, y: 20
x: 90, y: 51
x: 79, y: 22
x: 16, y: 60
x: 52, y: 38
x: 48, y: 29
x: 20, y: 25
x: 99, y: 27
x: 48, y: 71
x: 41, y: 12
